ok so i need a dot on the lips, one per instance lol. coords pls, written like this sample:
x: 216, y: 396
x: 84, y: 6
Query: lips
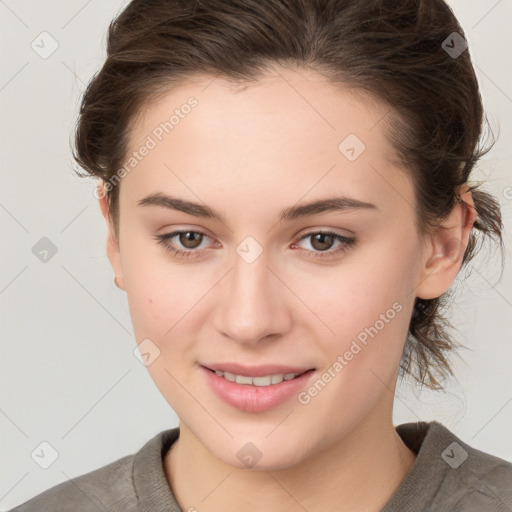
x: 256, y: 388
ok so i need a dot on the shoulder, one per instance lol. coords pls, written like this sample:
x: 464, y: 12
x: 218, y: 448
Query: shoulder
x: 449, y: 474
x: 483, y: 481
x: 113, y: 487
x: 91, y: 491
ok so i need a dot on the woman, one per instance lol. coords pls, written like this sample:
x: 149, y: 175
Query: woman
x: 286, y: 186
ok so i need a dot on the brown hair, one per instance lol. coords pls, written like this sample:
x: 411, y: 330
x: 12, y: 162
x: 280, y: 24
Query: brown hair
x: 398, y: 52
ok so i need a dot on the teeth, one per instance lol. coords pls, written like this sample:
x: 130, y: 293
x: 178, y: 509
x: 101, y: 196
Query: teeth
x: 230, y: 376
x: 240, y: 379
x: 276, y: 379
x: 266, y: 380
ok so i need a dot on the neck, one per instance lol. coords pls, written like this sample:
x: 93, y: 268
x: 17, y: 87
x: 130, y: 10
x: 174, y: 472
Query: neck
x: 360, y: 472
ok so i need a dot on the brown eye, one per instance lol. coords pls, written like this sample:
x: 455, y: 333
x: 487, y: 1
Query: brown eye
x: 190, y: 239
x: 325, y: 244
x: 322, y: 241
x: 184, y: 244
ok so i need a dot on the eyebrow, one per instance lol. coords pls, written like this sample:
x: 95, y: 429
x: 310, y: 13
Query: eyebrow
x: 331, y: 204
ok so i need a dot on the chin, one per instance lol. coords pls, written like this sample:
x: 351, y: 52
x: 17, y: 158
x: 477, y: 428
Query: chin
x: 259, y: 454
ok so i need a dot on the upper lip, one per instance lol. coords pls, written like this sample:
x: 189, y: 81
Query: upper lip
x: 256, y: 371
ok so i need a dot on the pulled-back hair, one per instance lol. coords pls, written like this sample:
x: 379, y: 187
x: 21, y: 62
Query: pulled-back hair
x: 410, y: 55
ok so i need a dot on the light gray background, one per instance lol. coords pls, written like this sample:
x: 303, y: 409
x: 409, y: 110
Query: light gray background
x: 68, y: 375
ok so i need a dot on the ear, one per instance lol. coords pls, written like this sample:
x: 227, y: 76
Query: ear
x: 445, y: 248
x: 113, y: 252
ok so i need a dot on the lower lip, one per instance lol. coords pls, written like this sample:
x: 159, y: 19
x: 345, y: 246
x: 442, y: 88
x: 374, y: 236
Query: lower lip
x: 255, y: 398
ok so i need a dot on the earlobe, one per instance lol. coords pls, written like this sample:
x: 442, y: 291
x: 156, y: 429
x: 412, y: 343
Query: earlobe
x: 112, y: 249
x: 444, y: 250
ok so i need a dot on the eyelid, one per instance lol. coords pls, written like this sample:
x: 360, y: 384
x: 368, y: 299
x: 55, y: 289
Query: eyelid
x: 334, y: 234
x: 184, y: 228
x: 333, y: 231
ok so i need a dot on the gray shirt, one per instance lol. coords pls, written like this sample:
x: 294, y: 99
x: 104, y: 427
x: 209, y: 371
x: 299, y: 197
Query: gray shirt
x: 447, y: 476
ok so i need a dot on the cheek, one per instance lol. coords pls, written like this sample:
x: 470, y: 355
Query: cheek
x: 367, y: 308
x: 353, y: 296
x: 159, y: 291
x: 369, y: 312
x: 166, y: 309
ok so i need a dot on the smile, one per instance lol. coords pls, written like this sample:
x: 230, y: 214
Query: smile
x: 258, y: 388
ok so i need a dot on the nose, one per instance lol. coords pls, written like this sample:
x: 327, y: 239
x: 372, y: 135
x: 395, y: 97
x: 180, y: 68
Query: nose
x: 252, y: 304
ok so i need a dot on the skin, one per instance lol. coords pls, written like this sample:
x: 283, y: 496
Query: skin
x: 248, y: 153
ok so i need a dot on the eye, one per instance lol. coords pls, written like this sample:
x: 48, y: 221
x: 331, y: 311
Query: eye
x: 187, y: 243
x: 190, y: 240
x: 323, y: 241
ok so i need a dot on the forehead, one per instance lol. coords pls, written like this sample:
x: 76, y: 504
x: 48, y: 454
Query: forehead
x: 299, y: 99
x: 289, y: 127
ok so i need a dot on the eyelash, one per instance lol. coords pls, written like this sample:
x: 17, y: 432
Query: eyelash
x: 346, y: 244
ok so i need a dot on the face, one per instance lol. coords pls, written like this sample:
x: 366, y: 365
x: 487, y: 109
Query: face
x: 228, y: 271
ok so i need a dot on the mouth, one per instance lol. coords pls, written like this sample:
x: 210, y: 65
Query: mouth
x: 256, y: 389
